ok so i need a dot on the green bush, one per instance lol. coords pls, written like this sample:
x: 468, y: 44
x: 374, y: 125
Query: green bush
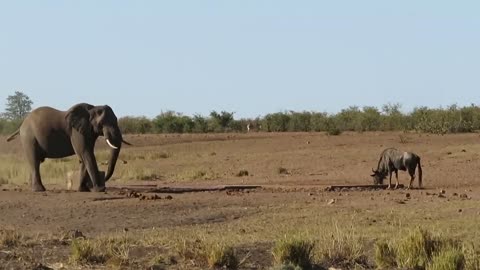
x: 135, y: 125
x: 452, y: 119
x: 172, y: 122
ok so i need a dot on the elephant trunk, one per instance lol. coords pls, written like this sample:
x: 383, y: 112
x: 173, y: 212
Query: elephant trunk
x: 114, y: 140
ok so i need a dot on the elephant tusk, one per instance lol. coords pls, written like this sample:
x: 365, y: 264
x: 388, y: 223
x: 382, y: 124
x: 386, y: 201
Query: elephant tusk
x: 111, y: 145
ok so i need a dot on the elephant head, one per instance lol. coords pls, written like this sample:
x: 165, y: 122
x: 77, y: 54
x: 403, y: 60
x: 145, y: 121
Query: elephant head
x: 90, y: 122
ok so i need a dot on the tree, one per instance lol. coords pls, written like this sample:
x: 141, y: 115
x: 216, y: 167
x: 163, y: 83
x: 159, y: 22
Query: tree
x: 17, y: 107
x: 222, y: 120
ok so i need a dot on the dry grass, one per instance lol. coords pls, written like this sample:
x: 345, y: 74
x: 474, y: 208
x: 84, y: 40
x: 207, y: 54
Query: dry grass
x: 385, y: 257
x: 450, y: 258
x: 342, y: 247
x: 10, y: 238
x: 294, y: 251
x: 416, y: 249
x: 221, y: 256
x: 113, y: 250
x: 86, y: 252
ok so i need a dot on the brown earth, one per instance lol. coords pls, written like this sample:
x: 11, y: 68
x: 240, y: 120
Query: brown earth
x: 291, y: 201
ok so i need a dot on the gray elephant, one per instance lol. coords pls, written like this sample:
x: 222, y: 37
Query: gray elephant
x: 50, y: 133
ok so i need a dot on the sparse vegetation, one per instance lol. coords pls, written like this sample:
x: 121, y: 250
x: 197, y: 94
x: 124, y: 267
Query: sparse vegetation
x: 221, y: 256
x: 416, y: 249
x: 10, y: 238
x: 449, y: 258
x: 419, y: 249
x: 385, y: 257
x: 282, y: 170
x: 294, y: 251
x: 342, y: 248
x: 242, y: 173
x: 85, y: 251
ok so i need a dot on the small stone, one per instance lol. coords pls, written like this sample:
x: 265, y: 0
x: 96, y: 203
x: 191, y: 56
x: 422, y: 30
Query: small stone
x: 460, y: 210
x: 464, y: 196
x: 442, y: 191
x: 310, y: 194
x: 455, y: 194
x: 441, y: 196
x: 407, y: 195
x: 332, y: 201
x: 169, y: 197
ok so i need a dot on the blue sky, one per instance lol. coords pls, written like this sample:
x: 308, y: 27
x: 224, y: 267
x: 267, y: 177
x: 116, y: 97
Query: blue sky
x: 251, y: 57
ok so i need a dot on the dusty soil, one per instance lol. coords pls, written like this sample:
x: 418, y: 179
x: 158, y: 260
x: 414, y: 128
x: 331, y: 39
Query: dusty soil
x: 293, y: 200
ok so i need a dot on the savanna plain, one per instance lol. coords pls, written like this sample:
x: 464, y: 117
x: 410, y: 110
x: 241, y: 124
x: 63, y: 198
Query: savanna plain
x: 289, y: 222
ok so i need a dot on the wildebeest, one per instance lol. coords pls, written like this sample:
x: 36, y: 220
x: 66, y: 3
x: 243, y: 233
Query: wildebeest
x: 392, y: 160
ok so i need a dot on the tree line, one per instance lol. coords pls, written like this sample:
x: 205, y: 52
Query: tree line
x: 452, y: 119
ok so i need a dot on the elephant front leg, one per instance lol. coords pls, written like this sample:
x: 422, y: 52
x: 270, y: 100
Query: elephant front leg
x: 84, y: 151
x: 93, y: 174
x: 85, y: 182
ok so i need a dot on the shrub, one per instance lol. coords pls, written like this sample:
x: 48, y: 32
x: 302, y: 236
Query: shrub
x: 222, y: 121
x: 172, y: 122
x: 135, y: 125
x: 276, y: 122
x: 297, y: 252
x: 300, y: 121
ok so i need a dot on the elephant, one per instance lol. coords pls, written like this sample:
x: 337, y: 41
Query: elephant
x: 50, y: 133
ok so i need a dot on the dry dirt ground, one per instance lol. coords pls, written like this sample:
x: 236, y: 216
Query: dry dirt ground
x: 291, y: 200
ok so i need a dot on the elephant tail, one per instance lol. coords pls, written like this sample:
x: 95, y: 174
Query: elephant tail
x: 11, y: 137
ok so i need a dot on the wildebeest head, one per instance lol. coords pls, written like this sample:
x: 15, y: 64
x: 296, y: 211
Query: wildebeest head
x: 378, y: 177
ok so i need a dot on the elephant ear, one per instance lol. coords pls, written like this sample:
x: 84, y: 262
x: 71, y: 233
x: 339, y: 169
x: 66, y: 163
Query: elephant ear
x: 78, y: 118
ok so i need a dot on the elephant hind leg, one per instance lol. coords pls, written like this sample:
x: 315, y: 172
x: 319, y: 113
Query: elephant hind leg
x: 34, y: 159
x: 36, y: 179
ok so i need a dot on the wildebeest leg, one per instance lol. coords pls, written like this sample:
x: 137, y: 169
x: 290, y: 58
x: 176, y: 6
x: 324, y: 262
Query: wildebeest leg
x: 396, y: 176
x: 390, y: 180
x: 412, y: 177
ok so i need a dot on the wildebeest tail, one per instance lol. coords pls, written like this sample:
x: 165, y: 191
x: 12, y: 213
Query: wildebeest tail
x: 11, y: 137
x: 419, y: 173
